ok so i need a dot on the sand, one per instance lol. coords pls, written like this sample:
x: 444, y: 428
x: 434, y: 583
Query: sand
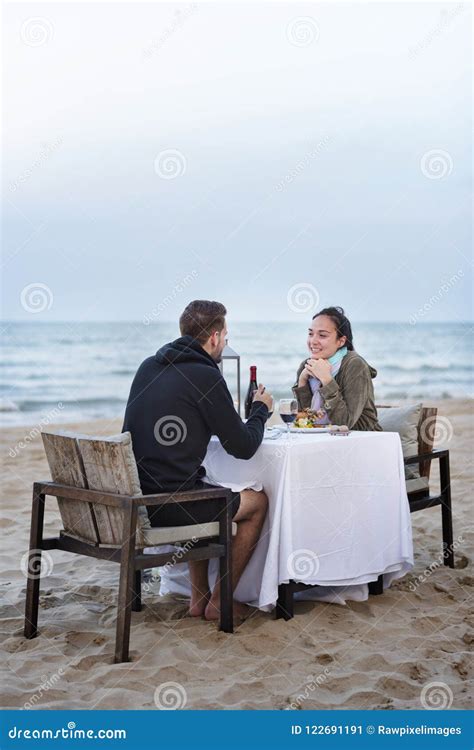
x: 382, y: 653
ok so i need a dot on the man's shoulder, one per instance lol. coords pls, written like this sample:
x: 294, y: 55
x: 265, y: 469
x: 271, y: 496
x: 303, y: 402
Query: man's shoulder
x: 202, y: 367
x: 206, y: 379
x: 189, y: 366
x: 212, y: 380
x: 148, y: 361
x: 145, y: 366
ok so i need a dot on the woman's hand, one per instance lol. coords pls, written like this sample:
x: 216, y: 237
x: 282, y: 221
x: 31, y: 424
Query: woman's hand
x: 319, y: 368
x: 303, y: 378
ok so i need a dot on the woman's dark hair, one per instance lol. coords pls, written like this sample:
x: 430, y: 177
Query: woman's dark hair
x: 343, y: 326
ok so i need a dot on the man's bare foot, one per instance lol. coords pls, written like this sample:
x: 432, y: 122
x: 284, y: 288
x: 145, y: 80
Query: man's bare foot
x: 241, y: 611
x: 198, y: 604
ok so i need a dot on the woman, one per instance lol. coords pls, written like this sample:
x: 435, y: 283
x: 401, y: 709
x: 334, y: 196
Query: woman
x: 336, y: 382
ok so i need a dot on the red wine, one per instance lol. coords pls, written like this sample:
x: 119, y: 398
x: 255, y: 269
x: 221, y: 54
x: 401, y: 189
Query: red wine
x: 288, y: 418
x: 253, y: 386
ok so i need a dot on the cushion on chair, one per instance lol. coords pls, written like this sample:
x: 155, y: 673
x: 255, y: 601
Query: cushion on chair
x: 171, y: 534
x: 404, y: 420
x: 417, y: 484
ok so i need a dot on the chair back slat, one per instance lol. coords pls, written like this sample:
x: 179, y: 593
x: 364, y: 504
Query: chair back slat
x: 110, y: 466
x: 66, y: 467
x: 426, y: 433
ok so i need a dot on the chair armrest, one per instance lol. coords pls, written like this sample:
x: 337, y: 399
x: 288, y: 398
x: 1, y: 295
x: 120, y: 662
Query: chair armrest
x: 84, y: 494
x: 426, y: 456
x: 120, y: 501
x: 191, y: 496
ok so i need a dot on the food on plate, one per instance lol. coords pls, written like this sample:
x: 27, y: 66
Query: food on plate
x: 309, y: 419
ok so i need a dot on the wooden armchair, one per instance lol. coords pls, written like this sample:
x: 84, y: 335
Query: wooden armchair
x: 419, y: 498
x: 102, y: 510
x: 418, y: 489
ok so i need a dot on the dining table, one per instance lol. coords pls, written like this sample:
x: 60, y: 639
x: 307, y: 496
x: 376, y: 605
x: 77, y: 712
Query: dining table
x: 338, y: 515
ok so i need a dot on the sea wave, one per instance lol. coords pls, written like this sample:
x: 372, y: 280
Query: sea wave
x: 89, y: 367
x: 6, y: 405
x: 41, y: 404
x: 435, y: 368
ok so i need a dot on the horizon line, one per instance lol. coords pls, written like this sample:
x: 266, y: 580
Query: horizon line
x: 233, y: 320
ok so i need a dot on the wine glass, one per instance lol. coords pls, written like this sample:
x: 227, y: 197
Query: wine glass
x: 270, y: 411
x: 288, y: 408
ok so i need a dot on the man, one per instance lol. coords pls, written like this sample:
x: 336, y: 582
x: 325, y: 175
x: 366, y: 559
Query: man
x: 178, y: 399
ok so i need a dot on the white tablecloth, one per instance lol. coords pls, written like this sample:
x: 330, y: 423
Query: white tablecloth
x: 338, y: 515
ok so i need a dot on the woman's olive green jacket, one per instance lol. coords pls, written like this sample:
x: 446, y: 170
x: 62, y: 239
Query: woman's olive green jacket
x: 349, y: 397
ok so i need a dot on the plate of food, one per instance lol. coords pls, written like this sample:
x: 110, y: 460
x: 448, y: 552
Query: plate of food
x: 317, y: 428
x: 309, y: 421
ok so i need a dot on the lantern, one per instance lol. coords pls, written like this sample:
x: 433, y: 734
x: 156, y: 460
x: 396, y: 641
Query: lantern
x: 229, y: 354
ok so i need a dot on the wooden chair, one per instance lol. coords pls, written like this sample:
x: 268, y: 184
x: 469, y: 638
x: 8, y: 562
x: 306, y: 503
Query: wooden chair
x: 419, y: 498
x: 102, y: 510
x: 418, y: 489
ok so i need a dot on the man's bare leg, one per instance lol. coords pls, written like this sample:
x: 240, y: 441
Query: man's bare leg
x: 249, y: 518
x: 200, y: 594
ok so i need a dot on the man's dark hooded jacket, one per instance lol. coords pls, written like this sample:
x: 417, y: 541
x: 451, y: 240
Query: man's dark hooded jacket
x: 178, y: 399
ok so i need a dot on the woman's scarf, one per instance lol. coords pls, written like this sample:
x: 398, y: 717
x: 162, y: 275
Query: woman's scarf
x: 315, y: 384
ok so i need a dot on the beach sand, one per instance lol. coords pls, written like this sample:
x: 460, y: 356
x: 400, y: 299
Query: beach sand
x: 375, y: 654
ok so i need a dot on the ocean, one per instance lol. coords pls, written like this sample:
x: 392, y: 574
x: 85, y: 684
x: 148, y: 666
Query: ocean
x: 59, y: 372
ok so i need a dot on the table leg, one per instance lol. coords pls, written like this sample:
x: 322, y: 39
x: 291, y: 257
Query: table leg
x: 284, y: 605
x: 376, y: 587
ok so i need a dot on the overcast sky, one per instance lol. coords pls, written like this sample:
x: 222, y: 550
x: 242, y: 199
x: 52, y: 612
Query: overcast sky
x: 261, y: 155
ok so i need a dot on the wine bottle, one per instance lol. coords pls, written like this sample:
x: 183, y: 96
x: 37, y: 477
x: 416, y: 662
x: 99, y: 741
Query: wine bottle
x: 253, y: 386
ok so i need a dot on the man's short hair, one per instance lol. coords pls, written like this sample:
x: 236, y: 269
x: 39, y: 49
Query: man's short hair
x: 201, y: 318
